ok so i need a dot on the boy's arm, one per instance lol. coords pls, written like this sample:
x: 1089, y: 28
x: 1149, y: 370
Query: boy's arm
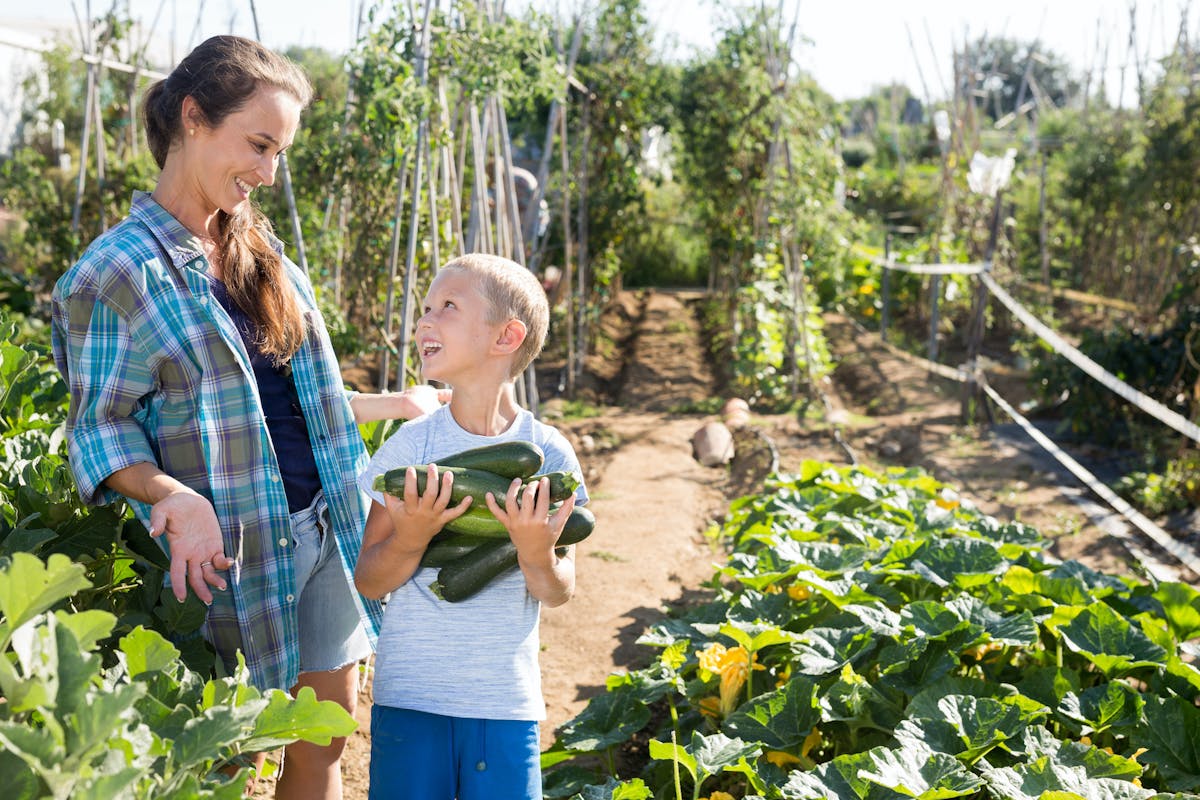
x: 397, y: 534
x: 550, y: 578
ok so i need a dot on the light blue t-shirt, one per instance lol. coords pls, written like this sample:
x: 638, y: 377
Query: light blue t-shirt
x: 477, y: 658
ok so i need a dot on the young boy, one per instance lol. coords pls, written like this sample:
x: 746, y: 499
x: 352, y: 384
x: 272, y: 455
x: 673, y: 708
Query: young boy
x: 457, y: 686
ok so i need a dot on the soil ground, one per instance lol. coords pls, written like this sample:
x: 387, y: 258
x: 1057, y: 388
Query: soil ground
x: 653, y: 501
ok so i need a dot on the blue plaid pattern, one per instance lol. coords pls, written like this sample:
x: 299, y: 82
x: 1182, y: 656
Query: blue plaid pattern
x: 158, y: 373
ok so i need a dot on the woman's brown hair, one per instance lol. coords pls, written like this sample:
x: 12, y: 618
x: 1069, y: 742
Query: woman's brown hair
x: 220, y: 75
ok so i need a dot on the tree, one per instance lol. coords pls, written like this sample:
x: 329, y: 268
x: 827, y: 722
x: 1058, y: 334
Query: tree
x: 1004, y: 74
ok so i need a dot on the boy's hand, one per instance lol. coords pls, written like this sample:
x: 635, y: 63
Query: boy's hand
x: 527, y: 516
x: 418, y: 517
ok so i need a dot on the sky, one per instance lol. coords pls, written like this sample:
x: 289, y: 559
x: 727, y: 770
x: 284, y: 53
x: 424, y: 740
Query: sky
x: 849, y: 46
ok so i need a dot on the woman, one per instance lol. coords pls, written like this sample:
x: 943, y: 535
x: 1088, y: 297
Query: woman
x: 204, y: 389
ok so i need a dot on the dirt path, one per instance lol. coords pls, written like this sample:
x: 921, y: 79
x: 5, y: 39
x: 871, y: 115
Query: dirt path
x: 652, y: 502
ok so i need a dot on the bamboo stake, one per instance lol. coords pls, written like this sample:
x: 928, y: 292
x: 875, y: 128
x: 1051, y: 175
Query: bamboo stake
x: 512, y: 208
x: 101, y: 150
x: 567, y: 290
x: 581, y: 258
x: 410, y: 260
x: 88, y: 106
x: 393, y: 263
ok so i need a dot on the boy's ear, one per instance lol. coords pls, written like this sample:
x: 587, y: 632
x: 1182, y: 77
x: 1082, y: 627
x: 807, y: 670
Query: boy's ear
x: 511, y: 336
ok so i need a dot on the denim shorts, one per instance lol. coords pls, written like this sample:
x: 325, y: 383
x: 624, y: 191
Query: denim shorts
x: 331, y: 632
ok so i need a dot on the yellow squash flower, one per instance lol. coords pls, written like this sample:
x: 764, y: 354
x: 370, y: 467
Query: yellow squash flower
x: 718, y: 796
x: 799, y: 592
x: 733, y: 665
x: 782, y: 759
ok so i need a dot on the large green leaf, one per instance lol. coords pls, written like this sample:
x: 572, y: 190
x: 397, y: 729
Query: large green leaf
x: 28, y: 586
x: 146, y: 651
x: 1113, y: 645
x: 613, y: 789
x: 716, y: 752
x: 181, y: 618
x: 607, y: 720
x: 967, y: 727
x: 88, y: 535
x: 1108, y: 705
x: 285, y: 720
x: 755, y: 636
x: 39, y: 748
x: 1064, y: 591
x: 880, y: 619
x: 882, y: 774
x: 20, y: 781
x: 90, y: 726
x: 821, y: 651
x: 88, y: 627
x: 931, y: 619
x: 915, y: 773
x: 913, y: 664
x: 925, y: 703
x: 1170, y: 732
x: 960, y: 561
x: 76, y: 669
x: 779, y: 720
x: 1181, y: 607
x: 1046, y: 776
x: 1011, y: 628
x: 853, y: 700
x: 205, y: 737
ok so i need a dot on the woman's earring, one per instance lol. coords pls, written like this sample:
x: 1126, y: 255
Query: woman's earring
x: 191, y: 131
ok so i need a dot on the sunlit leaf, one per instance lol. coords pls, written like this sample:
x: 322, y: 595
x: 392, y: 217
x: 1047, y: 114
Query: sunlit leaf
x: 28, y: 586
x: 608, y: 719
x: 913, y: 773
x: 779, y: 720
x: 1108, y: 705
x: 285, y: 720
x: 1110, y: 641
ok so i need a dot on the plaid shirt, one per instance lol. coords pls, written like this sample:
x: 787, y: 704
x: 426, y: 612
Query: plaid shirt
x: 158, y: 373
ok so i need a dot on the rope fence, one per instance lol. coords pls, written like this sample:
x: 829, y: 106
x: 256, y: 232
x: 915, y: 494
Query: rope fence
x: 971, y: 373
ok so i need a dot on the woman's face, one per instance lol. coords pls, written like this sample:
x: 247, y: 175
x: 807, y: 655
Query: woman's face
x: 226, y: 163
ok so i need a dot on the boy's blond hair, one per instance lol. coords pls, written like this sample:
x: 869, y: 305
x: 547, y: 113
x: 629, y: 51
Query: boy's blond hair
x: 511, y: 292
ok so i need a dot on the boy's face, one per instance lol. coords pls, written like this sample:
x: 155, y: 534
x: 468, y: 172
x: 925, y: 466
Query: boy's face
x: 454, y: 337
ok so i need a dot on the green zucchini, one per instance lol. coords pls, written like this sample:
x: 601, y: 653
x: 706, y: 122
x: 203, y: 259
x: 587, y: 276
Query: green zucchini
x: 447, y: 551
x: 579, y: 526
x: 474, y: 483
x: 467, y: 575
x: 479, y: 565
x: 517, y: 459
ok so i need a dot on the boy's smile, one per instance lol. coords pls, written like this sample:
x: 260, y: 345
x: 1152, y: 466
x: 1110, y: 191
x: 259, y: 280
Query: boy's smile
x: 454, y: 337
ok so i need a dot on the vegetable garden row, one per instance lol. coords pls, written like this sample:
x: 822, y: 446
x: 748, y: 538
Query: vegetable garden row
x: 875, y: 636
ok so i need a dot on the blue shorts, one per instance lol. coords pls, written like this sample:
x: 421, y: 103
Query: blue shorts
x: 331, y: 633
x: 433, y: 757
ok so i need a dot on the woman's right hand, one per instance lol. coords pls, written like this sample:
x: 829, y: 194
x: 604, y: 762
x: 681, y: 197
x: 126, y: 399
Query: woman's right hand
x: 189, y: 522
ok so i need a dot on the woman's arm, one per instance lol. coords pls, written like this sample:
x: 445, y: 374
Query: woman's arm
x: 188, y: 521
x: 409, y: 404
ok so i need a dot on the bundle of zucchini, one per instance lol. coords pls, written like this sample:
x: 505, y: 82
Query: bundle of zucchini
x: 474, y: 549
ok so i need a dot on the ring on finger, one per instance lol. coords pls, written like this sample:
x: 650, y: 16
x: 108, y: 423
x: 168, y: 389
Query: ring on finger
x: 204, y: 564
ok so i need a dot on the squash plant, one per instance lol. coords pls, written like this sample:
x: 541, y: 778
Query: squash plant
x: 874, y: 636
x: 74, y: 725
